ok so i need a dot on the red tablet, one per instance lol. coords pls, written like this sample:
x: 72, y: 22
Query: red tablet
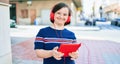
x: 67, y: 48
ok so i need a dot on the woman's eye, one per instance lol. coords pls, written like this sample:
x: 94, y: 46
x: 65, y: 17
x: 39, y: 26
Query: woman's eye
x: 65, y: 14
x: 58, y: 13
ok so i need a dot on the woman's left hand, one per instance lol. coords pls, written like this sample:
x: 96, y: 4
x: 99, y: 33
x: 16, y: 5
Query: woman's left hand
x: 74, y: 55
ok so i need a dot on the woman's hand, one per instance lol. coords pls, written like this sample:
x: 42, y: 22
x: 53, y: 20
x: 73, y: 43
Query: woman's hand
x: 74, y: 55
x: 57, y: 55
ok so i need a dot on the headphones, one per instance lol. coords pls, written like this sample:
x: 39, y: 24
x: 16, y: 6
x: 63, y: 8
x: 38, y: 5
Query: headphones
x: 52, y: 18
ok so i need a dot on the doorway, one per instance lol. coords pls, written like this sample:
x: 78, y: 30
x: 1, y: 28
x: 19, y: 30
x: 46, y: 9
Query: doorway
x: 32, y: 15
x: 13, y: 12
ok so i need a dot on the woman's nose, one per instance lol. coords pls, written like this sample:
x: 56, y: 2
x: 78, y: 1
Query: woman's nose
x: 61, y: 16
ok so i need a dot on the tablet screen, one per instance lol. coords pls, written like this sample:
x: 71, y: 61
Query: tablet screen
x: 68, y: 48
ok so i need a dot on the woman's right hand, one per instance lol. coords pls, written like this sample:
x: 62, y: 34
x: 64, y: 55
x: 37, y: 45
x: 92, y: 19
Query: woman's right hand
x: 57, y: 55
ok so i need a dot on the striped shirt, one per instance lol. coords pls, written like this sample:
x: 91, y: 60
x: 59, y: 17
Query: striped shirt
x: 47, y: 38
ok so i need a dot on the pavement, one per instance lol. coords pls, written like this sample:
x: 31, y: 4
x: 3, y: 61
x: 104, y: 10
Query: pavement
x: 100, y: 44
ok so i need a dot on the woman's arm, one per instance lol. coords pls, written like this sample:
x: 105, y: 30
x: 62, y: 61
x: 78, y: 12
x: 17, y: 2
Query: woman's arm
x: 41, y: 53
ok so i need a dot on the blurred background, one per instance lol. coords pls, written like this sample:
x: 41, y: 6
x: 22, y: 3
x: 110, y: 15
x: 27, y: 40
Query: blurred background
x: 91, y: 20
x: 36, y: 12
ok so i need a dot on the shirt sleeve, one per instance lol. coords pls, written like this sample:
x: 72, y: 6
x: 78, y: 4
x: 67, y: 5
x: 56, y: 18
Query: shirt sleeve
x: 39, y: 41
x: 74, y: 38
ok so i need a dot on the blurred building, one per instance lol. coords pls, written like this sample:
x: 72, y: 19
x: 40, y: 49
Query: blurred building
x: 28, y: 11
x: 110, y: 8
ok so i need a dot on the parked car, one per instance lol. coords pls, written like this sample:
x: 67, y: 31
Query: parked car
x: 99, y: 19
x: 12, y: 23
x: 116, y: 22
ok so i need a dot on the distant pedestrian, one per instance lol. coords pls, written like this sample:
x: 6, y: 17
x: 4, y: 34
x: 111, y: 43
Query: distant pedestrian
x: 101, y: 11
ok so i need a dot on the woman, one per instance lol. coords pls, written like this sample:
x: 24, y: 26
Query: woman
x: 49, y: 38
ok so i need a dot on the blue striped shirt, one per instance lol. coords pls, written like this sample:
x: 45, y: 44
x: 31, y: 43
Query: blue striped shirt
x: 47, y: 38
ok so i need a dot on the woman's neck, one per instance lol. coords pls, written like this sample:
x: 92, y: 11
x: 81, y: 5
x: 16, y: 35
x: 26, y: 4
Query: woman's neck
x: 58, y: 27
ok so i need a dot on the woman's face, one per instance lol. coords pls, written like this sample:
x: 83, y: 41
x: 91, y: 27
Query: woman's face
x: 61, y: 16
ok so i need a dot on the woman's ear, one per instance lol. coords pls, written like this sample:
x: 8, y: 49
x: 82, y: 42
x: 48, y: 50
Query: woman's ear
x: 52, y: 16
x: 68, y: 20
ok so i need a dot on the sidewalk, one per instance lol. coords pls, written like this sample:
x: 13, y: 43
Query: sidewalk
x: 91, y: 52
x: 23, y: 53
x: 98, y: 46
x: 85, y: 32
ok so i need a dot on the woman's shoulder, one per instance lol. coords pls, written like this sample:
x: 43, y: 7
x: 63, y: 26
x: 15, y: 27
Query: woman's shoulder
x: 68, y: 31
x: 43, y: 30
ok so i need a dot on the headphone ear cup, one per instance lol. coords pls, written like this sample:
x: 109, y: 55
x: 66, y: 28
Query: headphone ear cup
x: 68, y: 20
x: 52, y: 16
